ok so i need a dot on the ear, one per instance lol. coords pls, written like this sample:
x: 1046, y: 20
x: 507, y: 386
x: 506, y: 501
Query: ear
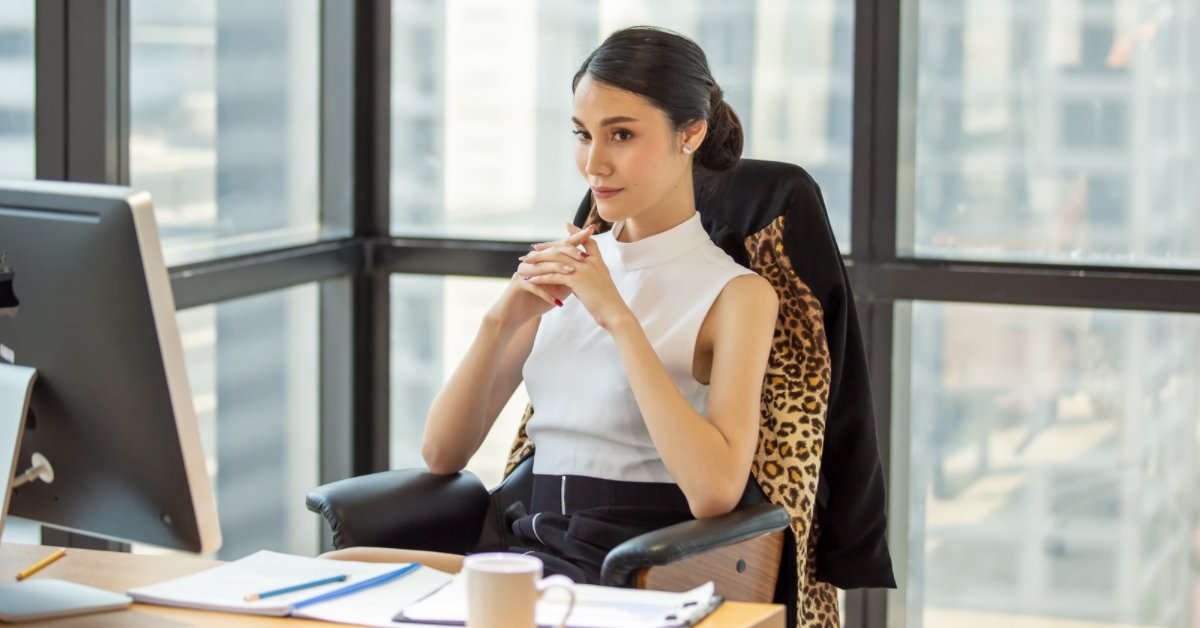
x: 693, y: 135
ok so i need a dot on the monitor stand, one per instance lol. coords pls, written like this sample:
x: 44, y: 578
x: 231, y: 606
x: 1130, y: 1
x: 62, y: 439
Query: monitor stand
x: 36, y: 598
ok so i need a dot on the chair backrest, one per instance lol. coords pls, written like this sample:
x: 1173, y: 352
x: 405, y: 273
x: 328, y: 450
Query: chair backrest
x: 816, y: 403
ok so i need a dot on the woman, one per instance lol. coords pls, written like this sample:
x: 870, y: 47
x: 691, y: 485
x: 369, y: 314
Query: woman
x: 643, y: 347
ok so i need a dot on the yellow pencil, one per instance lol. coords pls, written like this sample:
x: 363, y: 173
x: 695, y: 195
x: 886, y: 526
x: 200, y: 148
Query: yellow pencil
x: 42, y: 563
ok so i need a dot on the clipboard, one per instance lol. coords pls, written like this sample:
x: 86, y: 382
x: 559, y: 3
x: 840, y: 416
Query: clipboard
x: 712, y: 606
x: 717, y: 600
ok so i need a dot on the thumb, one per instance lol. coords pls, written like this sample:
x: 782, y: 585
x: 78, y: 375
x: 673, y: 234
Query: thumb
x: 572, y: 229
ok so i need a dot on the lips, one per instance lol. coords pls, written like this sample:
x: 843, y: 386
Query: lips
x: 602, y: 192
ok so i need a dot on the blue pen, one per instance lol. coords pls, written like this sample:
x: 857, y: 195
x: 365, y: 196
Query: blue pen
x: 299, y: 587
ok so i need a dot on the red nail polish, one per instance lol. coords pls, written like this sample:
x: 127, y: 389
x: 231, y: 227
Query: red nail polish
x: 583, y: 255
x: 528, y: 278
x: 558, y: 303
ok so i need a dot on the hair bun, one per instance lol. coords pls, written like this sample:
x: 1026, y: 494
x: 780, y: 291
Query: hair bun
x: 722, y: 148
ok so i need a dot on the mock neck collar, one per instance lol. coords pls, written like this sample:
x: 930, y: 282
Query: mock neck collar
x: 659, y: 248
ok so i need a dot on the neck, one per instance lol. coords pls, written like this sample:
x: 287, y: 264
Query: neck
x: 672, y: 210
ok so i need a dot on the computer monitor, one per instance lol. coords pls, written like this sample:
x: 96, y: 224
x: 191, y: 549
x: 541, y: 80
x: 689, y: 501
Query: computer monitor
x: 91, y: 309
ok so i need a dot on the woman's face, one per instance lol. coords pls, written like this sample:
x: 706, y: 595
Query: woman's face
x: 627, y: 151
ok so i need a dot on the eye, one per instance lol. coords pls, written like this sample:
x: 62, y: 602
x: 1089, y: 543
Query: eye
x: 621, y: 135
x: 581, y: 135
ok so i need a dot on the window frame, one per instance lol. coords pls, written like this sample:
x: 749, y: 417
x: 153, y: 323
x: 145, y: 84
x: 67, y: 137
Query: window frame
x: 82, y: 134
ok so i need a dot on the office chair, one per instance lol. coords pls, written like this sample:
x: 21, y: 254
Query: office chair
x: 769, y: 217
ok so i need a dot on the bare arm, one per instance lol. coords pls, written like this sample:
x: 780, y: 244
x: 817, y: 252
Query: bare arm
x: 709, y: 459
x: 461, y: 417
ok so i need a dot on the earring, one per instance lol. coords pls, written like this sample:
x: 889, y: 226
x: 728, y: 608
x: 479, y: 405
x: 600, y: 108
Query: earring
x: 687, y: 150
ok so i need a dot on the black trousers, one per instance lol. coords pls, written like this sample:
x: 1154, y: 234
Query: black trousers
x: 575, y: 520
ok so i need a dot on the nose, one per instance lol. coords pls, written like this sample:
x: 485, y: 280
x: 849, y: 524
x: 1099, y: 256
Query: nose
x: 598, y: 164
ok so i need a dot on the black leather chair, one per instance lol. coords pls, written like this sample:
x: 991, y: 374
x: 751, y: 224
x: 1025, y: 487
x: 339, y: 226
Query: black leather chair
x: 415, y: 509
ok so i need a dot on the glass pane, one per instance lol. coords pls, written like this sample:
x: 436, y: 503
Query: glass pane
x: 1060, y: 131
x: 1053, y: 467
x: 16, y: 95
x: 503, y: 166
x: 225, y: 122
x: 254, y: 371
x: 434, y: 322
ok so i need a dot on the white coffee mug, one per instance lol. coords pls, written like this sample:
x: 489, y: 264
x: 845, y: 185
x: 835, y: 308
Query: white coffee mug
x: 503, y: 590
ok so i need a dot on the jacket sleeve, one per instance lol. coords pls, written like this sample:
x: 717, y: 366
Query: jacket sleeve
x: 851, y: 509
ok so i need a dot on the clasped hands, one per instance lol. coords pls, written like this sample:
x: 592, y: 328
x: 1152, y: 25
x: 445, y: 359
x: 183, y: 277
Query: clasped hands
x: 554, y: 271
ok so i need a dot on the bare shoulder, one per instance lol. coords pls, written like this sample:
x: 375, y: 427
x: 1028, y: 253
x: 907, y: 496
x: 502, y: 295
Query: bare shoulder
x: 748, y: 299
x: 753, y: 291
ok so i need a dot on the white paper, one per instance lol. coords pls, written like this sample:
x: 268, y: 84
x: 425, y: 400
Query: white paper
x: 224, y: 588
x: 378, y: 605
x: 595, y: 606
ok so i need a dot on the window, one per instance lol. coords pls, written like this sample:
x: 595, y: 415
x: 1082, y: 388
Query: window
x: 225, y: 123
x: 1042, y: 460
x: 503, y: 167
x: 253, y: 368
x: 434, y: 321
x: 1052, y: 132
x: 16, y: 98
x: 1052, y: 465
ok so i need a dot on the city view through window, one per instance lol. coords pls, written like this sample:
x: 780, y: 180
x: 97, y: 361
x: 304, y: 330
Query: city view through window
x: 1044, y: 460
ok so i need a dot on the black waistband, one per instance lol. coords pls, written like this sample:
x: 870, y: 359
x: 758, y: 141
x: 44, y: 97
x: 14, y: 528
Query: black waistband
x: 577, y: 492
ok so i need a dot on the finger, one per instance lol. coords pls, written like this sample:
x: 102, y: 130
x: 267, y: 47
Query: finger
x: 543, y: 268
x: 550, y: 278
x: 574, y: 238
x: 572, y: 229
x: 591, y: 248
x: 581, y: 235
x: 541, y: 292
x: 562, y: 252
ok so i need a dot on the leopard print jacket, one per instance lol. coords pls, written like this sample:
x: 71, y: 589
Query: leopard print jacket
x: 792, y: 427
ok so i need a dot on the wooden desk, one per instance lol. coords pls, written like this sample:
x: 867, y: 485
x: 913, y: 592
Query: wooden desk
x: 120, y: 572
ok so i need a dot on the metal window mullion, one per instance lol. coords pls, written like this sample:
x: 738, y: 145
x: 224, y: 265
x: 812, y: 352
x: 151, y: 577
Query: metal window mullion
x: 372, y: 218
x: 1144, y: 289
x: 213, y: 281
x: 873, y: 229
x: 884, y: 113
x: 337, y: 116
x: 337, y: 386
x: 82, y: 90
x: 81, y: 59
x: 50, y: 99
x: 876, y: 100
x: 862, y: 137
x: 337, y: 317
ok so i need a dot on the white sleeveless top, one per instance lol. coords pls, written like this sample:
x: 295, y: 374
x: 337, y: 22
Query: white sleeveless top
x: 586, y: 420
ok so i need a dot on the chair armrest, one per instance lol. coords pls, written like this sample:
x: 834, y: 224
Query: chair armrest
x: 687, y: 539
x: 407, y: 509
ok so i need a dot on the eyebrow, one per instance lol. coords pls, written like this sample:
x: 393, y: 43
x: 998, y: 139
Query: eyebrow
x: 607, y: 121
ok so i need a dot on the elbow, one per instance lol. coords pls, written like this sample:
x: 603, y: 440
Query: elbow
x: 439, y: 467
x: 716, y: 503
x: 438, y: 462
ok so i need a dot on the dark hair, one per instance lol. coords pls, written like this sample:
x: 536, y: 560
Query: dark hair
x: 671, y: 72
